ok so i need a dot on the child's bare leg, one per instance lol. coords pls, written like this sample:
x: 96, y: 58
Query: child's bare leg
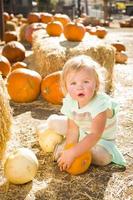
x: 57, y: 123
x: 100, y: 156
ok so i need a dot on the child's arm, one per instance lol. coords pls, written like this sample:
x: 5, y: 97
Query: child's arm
x: 72, y: 132
x: 97, y: 128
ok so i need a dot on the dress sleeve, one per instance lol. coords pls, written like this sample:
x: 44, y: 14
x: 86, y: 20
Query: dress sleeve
x: 102, y: 103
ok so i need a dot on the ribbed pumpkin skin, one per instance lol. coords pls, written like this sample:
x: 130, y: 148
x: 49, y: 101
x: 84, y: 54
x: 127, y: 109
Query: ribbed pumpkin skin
x: 74, y: 31
x: 51, y: 89
x: 5, y: 66
x: 80, y: 164
x: 23, y: 85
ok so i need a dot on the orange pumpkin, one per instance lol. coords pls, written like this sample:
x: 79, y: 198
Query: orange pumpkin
x: 81, y: 163
x: 92, y: 30
x: 32, y: 28
x: 5, y: 66
x: 101, y: 32
x: 51, y: 89
x: 121, y: 57
x: 74, y: 31
x: 63, y: 18
x: 14, y: 51
x: 54, y: 28
x: 119, y: 46
x: 33, y: 17
x: 23, y: 85
x: 6, y: 16
x: 10, y: 36
x: 46, y: 17
x: 18, y: 65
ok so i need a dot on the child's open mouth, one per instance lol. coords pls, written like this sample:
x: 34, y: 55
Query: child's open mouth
x: 81, y: 95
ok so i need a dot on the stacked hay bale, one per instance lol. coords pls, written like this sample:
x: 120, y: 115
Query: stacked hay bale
x: 50, y: 53
x: 5, y: 118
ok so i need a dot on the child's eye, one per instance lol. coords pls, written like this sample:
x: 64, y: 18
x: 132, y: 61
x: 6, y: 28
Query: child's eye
x: 86, y: 81
x: 73, y: 83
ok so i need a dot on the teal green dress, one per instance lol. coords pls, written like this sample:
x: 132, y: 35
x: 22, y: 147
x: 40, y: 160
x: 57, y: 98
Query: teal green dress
x: 83, y: 118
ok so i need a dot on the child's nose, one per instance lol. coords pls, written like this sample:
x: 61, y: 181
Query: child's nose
x: 79, y: 85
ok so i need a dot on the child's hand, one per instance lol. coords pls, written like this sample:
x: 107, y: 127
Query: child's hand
x: 66, y: 159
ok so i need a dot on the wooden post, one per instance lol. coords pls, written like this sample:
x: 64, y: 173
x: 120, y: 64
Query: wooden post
x: 1, y: 20
x: 86, y: 6
x: 79, y: 8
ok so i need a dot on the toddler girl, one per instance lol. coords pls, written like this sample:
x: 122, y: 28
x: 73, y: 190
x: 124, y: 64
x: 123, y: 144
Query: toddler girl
x: 89, y: 116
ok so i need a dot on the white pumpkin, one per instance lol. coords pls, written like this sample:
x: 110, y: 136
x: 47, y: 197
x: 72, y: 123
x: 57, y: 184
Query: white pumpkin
x: 21, y: 166
x: 48, y: 139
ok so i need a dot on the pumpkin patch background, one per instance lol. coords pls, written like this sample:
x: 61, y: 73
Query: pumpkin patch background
x: 98, y: 183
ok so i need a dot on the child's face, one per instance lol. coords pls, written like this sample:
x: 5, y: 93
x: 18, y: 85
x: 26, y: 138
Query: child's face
x: 81, y: 85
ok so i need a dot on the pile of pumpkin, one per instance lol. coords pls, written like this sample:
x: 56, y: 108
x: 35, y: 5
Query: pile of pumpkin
x: 25, y: 85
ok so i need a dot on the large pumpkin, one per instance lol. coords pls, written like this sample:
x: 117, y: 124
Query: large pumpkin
x: 81, y: 163
x: 5, y: 66
x: 74, y: 31
x: 14, y: 51
x: 54, y: 28
x: 23, y: 85
x: 51, y: 89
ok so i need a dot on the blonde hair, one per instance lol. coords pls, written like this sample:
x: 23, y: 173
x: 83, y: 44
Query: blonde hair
x: 76, y: 64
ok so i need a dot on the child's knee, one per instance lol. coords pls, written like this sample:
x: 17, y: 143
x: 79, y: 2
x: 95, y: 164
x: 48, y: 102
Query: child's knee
x: 101, y: 156
x: 57, y: 123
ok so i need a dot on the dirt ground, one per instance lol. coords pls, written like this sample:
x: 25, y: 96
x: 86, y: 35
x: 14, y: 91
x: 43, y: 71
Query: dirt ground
x: 98, y: 183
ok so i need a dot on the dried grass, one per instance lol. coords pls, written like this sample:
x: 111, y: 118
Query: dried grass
x: 50, y: 53
x: 5, y: 117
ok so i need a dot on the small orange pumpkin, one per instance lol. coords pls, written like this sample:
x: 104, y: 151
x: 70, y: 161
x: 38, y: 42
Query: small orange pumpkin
x: 18, y: 65
x: 23, y: 85
x: 5, y: 66
x: 121, y: 57
x: 33, y: 17
x: 51, y: 89
x: 10, y: 36
x: 101, y: 32
x: 63, y: 18
x: 119, y: 46
x: 54, y: 28
x: 74, y: 31
x: 81, y: 163
x: 14, y: 51
x: 6, y: 16
x: 46, y: 17
x: 92, y: 30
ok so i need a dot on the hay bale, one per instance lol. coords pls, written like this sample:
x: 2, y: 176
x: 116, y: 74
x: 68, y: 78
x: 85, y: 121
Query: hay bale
x: 5, y: 117
x: 50, y: 53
